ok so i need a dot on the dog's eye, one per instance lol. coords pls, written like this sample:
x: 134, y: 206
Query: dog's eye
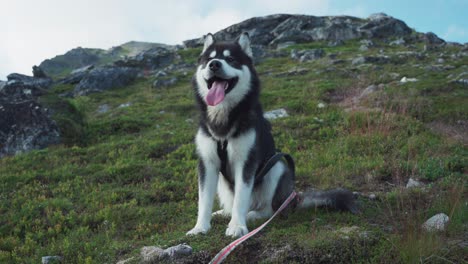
x: 230, y: 59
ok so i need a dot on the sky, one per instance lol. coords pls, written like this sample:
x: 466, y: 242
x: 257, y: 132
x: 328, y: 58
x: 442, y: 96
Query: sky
x: 32, y: 31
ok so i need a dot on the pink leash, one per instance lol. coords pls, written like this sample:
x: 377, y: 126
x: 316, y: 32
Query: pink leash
x: 221, y: 256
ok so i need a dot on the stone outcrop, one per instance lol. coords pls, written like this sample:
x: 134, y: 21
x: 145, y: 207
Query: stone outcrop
x: 105, y: 78
x: 24, y: 123
x: 276, y: 29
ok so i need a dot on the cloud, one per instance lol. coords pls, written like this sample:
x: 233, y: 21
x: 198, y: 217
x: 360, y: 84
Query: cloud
x: 456, y: 33
x: 32, y: 31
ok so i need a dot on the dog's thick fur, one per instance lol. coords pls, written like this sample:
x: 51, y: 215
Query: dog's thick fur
x: 234, y: 141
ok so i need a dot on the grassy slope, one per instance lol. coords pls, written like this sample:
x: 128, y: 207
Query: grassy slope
x: 127, y: 178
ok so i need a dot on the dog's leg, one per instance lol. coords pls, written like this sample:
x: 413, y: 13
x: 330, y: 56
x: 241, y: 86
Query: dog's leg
x: 265, y: 192
x: 244, y: 166
x: 225, y: 196
x: 208, y: 170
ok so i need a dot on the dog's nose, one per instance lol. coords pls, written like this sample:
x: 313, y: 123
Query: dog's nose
x: 214, y: 65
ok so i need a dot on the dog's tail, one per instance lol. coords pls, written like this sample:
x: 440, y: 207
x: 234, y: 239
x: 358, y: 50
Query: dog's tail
x: 339, y: 199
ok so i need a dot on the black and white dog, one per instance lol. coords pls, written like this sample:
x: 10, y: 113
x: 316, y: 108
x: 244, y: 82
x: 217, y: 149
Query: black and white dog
x: 234, y: 141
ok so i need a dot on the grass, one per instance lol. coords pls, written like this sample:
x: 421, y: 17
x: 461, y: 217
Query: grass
x: 127, y: 178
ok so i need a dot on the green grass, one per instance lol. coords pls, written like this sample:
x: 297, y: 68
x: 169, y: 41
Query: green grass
x: 127, y: 178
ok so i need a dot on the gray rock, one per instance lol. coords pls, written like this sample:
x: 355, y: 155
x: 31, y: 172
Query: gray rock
x: 103, y: 109
x: 293, y: 72
x: 77, y: 75
x: 160, y: 74
x: 24, y: 123
x: 86, y: 68
x: 413, y: 183
x: 398, y: 42
x: 405, y: 80
x: 154, y: 254
x: 38, y: 72
x: 370, y: 59
x: 432, y: 39
x: 152, y: 59
x: 437, y: 222
x: 32, y: 82
x: 73, y: 59
x: 363, y: 48
x: 307, y: 55
x: 372, y: 196
x: 51, y: 259
x: 159, y: 83
x: 275, y: 114
x: 284, y: 45
x: 274, y: 30
x: 105, y: 78
x: 125, y: 105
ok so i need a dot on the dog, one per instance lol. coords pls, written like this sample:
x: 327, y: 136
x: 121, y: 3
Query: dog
x: 234, y: 142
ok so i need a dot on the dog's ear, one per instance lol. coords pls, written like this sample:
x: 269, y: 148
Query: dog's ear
x: 208, y: 41
x: 244, y: 42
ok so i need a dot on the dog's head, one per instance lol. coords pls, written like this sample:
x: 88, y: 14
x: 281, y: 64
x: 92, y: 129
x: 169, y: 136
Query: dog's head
x: 224, y: 71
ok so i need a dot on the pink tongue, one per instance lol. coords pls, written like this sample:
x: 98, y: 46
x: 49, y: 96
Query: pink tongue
x: 216, y: 93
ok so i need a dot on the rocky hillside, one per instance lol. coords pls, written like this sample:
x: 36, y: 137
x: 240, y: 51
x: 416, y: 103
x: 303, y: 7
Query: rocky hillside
x: 97, y: 159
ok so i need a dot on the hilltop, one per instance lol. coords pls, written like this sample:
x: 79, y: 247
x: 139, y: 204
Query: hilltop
x: 97, y: 157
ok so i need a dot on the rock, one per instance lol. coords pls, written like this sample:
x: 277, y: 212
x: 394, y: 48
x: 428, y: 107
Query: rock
x: 336, y: 43
x: 159, y: 83
x: 105, y: 78
x: 405, y: 80
x: 103, y: 109
x: 24, y: 123
x: 371, y: 59
x: 85, y: 69
x: 398, y: 42
x: 432, y: 39
x: 152, y: 59
x: 51, y: 259
x: 154, y: 254
x: 125, y: 105
x: 413, y: 183
x: 372, y: 196
x: 321, y: 105
x: 275, y: 114
x: 436, y: 223
x: 307, y: 55
x: 370, y: 89
x: 274, y: 30
x: 284, y: 45
x: 73, y: 59
x: 2, y: 84
x: 293, y: 72
x: 38, y: 72
x: 367, y: 43
x: 32, y: 82
x: 160, y: 74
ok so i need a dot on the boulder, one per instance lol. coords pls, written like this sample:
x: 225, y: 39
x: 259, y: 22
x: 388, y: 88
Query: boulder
x: 275, y: 30
x: 437, y: 222
x: 307, y: 55
x: 152, y: 59
x: 275, y: 114
x: 75, y: 58
x: 77, y: 75
x: 38, y: 72
x: 24, y: 123
x: 40, y: 83
x: 105, y: 78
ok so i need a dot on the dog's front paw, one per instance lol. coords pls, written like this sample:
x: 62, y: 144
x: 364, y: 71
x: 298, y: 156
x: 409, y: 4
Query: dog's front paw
x: 236, y: 231
x: 198, y: 230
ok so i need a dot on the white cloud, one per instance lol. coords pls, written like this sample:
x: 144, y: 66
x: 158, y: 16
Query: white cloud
x: 455, y: 33
x: 32, y: 31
